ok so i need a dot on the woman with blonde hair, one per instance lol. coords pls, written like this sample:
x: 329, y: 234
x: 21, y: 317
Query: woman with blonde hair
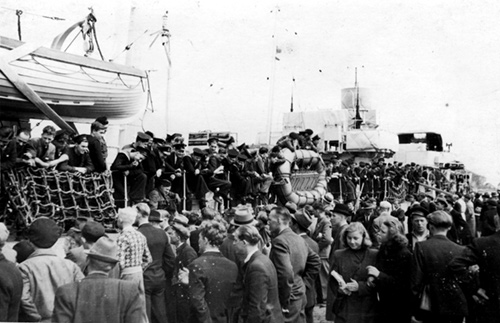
x: 390, y: 276
x: 354, y: 299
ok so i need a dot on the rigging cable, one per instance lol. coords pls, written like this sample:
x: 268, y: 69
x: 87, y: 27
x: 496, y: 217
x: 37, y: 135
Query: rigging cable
x: 34, y: 14
x: 18, y: 14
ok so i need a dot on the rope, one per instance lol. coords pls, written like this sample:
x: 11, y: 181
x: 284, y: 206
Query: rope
x: 18, y: 14
x: 34, y: 14
x: 51, y: 70
x: 61, y: 196
x: 96, y: 41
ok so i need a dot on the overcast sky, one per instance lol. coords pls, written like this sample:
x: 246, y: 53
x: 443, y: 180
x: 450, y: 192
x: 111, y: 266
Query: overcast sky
x: 430, y: 65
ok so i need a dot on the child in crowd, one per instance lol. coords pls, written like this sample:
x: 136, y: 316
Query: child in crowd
x: 354, y: 300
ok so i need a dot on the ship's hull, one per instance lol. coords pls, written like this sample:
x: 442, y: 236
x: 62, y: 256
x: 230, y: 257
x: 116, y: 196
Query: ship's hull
x: 76, y: 88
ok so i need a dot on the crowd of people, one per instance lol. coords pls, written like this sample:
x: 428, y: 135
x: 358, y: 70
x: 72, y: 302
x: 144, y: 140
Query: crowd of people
x: 164, y: 171
x: 376, y: 264
x: 357, y: 251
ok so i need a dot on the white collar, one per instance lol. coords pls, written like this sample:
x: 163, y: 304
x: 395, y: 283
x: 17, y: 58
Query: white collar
x: 250, y: 254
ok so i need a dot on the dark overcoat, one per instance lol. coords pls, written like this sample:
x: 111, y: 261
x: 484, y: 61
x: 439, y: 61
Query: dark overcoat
x: 98, y: 298
x: 485, y: 252
x: 429, y: 267
x: 260, y: 297
x: 393, y: 282
x: 11, y: 288
x: 360, y: 306
x: 294, y: 260
x: 211, y: 280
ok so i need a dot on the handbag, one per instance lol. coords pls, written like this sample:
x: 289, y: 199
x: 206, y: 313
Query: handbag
x: 425, y: 299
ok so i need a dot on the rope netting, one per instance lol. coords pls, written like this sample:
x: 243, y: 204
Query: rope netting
x: 397, y: 192
x: 304, y: 180
x: 62, y: 196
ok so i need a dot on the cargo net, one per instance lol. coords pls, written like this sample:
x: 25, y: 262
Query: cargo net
x: 62, y: 196
x: 398, y: 192
x: 304, y: 180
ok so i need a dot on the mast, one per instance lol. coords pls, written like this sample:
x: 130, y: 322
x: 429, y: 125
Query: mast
x: 357, y: 120
x: 166, y: 45
x: 272, y: 80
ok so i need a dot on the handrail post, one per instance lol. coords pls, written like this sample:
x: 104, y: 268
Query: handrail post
x: 184, y: 190
x: 125, y: 189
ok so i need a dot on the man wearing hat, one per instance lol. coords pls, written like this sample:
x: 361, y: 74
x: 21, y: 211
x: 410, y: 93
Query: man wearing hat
x: 366, y: 214
x: 241, y: 185
x: 262, y: 166
x: 43, y: 272
x: 11, y: 283
x: 150, y: 163
x: 243, y: 215
x: 294, y: 261
x: 487, y: 218
x: 161, y: 267
x: 91, y: 232
x: 213, y: 173
x: 301, y: 221
x: 174, y: 167
x: 195, y: 181
x: 419, y: 231
x: 178, y: 297
x: 78, y: 157
x: 98, y: 298
x: 128, y: 163
x: 98, y: 149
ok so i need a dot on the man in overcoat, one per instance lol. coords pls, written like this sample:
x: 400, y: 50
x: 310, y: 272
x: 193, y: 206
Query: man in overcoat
x: 485, y: 252
x: 162, y: 265
x: 211, y: 276
x: 11, y: 284
x: 260, y: 296
x: 429, y: 270
x: 294, y: 261
x: 98, y: 298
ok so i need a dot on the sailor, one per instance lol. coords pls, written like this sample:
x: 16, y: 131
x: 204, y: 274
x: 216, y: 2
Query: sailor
x: 98, y: 149
x: 174, y: 167
x: 44, y: 148
x: 78, y: 157
x: 128, y: 163
x: 149, y: 167
x: 265, y: 176
x: 241, y: 185
x: 212, y: 172
x: 8, y: 151
x: 289, y: 141
x: 24, y: 149
x: 161, y: 198
x: 214, y: 159
x: 195, y: 181
x: 305, y: 139
x: 315, y: 143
